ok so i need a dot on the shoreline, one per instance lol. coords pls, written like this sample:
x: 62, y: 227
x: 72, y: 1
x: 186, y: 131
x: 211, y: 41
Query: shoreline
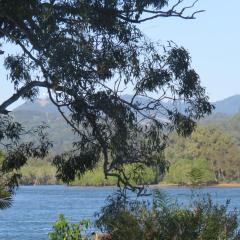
x: 160, y: 185
x: 217, y: 185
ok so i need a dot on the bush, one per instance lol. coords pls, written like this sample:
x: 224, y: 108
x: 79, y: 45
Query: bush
x: 118, y: 219
x: 63, y: 230
x: 122, y: 218
x: 164, y: 220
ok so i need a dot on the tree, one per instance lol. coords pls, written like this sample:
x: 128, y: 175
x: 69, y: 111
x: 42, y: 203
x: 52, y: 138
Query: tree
x: 85, y: 53
x: 209, y: 143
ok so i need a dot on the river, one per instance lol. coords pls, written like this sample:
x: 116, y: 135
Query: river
x: 35, y: 208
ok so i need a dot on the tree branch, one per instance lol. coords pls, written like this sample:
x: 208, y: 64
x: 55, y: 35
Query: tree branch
x: 159, y: 13
x: 19, y: 94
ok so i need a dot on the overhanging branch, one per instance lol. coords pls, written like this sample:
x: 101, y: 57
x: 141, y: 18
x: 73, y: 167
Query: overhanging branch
x: 19, y: 94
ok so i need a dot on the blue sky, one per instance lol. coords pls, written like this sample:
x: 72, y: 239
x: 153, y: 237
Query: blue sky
x: 213, y: 40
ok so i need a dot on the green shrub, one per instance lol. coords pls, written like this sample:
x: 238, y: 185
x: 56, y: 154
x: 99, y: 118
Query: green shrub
x: 118, y: 219
x: 164, y: 220
x: 5, y: 191
x: 5, y: 197
x: 63, y: 230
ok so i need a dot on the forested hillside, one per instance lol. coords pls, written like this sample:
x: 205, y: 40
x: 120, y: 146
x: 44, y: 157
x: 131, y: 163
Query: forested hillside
x: 59, y: 132
x: 212, y: 153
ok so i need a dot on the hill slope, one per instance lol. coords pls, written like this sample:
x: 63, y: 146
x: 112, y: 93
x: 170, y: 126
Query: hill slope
x: 223, y: 119
x: 228, y: 106
x: 42, y: 110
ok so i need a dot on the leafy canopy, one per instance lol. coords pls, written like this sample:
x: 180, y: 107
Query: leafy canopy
x: 85, y: 53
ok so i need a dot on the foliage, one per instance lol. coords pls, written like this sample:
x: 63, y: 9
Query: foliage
x: 63, y: 230
x: 43, y: 172
x: 5, y: 198
x: 5, y: 192
x: 38, y: 172
x: 207, y: 142
x: 226, y: 137
x: 230, y: 125
x: 16, y: 151
x: 196, y: 176
x: 84, y: 54
x: 163, y: 219
x: 97, y: 178
x: 192, y: 172
x: 213, y: 154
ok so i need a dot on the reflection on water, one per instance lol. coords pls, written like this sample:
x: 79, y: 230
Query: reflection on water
x: 37, y: 207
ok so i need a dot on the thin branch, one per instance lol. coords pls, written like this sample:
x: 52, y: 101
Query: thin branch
x: 170, y: 13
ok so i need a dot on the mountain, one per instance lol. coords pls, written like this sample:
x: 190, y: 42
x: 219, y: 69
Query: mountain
x: 42, y: 110
x: 60, y: 134
x: 39, y: 105
x: 32, y: 114
x: 229, y: 106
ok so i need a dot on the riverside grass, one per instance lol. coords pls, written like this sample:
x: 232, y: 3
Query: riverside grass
x: 41, y: 172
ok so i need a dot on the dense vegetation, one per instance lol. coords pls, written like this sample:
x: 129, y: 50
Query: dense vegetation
x: 38, y: 172
x: 187, y: 171
x: 5, y: 192
x: 215, y: 153
x: 43, y: 172
x: 124, y: 218
x: 62, y: 229
x: 212, y: 153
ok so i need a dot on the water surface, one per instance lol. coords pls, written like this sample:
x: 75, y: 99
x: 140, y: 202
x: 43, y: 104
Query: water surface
x: 35, y: 208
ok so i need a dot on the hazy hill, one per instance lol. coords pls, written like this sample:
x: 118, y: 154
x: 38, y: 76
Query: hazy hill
x: 59, y: 132
x: 228, y: 106
x: 42, y: 110
x: 225, y: 119
x: 39, y: 105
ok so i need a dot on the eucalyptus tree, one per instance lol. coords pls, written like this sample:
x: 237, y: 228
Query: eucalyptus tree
x: 85, y: 54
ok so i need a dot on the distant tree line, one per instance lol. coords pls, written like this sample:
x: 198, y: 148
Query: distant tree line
x: 211, y: 150
x: 210, y: 153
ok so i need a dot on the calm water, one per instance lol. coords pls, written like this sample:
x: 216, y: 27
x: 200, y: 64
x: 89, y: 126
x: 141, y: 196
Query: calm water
x: 37, y: 207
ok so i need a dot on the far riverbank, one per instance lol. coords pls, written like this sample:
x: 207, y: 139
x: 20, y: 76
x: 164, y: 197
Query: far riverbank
x: 217, y: 185
x: 160, y: 185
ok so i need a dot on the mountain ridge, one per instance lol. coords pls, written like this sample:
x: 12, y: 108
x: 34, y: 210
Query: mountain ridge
x: 228, y: 106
